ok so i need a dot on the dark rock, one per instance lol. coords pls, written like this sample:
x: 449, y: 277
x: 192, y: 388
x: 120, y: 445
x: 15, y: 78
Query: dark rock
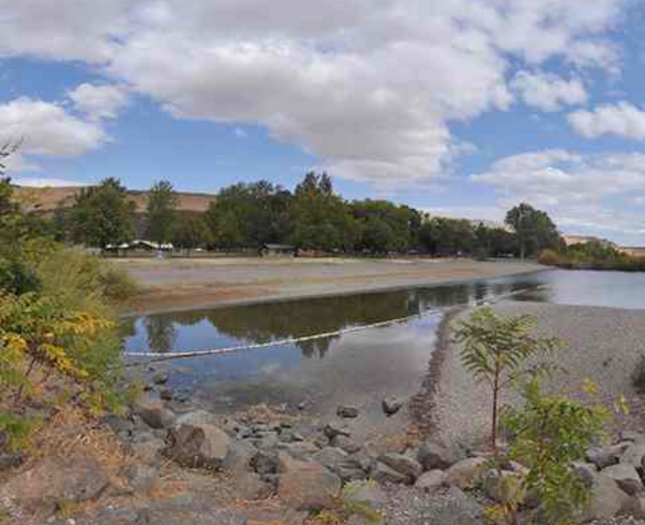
x: 345, y: 443
x: 340, y: 463
x: 193, y: 443
x: 347, y: 412
x: 9, y: 461
x: 160, y: 377
x: 392, y: 405
x: 606, y: 456
x: 331, y: 431
x: 166, y: 394
x: 265, y: 462
x: 119, y: 425
x: 626, y: 477
x: 435, y: 455
x: 406, y: 465
x: 383, y: 474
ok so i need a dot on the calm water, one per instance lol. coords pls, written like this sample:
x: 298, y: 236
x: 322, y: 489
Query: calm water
x: 359, y: 367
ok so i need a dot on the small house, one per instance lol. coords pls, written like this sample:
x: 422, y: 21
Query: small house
x: 277, y: 250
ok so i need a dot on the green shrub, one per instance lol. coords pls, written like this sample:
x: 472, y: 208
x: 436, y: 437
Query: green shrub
x: 17, y: 277
x: 550, y: 433
x: 549, y: 258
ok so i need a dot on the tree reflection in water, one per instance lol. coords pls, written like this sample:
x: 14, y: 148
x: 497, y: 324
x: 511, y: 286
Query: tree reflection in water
x: 263, y: 323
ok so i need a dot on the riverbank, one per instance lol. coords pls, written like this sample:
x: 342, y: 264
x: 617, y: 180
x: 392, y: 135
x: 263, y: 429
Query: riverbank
x: 175, y: 285
x: 601, y: 344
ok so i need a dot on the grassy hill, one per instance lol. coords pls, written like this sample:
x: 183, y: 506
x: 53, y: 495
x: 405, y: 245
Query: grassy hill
x: 48, y: 199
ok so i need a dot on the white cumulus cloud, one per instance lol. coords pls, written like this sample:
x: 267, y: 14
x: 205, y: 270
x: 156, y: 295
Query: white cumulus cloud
x: 99, y: 102
x: 548, y: 92
x: 622, y: 119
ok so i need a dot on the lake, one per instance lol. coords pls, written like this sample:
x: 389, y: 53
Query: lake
x: 361, y: 366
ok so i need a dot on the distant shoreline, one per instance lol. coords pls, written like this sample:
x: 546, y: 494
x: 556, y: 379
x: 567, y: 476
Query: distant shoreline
x: 181, y: 285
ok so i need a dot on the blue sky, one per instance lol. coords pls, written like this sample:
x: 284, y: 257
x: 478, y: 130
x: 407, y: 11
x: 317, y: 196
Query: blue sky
x: 458, y: 107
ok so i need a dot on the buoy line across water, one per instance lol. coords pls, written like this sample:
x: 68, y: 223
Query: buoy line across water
x: 151, y: 357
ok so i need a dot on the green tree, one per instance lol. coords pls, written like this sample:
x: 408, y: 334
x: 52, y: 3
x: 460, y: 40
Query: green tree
x: 534, y: 229
x: 102, y: 215
x: 495, y: 348
x: 160, y: 211
x: 444, y: 236
x: 190, y: 233
x: 321, y: 219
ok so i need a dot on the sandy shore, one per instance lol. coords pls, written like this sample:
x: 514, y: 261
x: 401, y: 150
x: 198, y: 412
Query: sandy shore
x: 602, y: 344
x: 180, y: 284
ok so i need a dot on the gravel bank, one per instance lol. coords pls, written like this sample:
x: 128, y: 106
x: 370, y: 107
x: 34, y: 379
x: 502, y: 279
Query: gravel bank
x: 602, y: 344
x: 174, y: 285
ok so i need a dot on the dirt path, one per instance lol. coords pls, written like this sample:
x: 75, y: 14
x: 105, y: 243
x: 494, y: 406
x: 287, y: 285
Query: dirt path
x: 180, y: 284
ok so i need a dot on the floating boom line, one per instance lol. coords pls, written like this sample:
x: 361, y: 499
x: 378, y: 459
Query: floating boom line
x: 155, y: 357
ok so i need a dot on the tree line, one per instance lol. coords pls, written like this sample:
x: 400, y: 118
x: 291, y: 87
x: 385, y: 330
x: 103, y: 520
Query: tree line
x: 311, y: 218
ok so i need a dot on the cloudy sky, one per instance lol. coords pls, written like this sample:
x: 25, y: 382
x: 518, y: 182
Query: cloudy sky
x: 458, y: 106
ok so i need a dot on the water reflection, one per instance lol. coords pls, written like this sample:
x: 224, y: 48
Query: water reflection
x: 264, y: 323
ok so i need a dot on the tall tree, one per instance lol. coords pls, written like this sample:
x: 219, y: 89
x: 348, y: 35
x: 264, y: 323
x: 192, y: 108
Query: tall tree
x: 102, y: 215
x: 160, y: 211
x: 534, y: 229
x: 321, y: 219
x: 190, y: 233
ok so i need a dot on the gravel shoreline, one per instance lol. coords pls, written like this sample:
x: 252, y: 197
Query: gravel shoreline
x: 601, y: 344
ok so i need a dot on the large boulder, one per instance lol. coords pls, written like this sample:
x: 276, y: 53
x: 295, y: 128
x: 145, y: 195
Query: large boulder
x: 406, y: 465
x: 467, y: 472
x: 626, y: 477
x: 53, y: 479
x: 306, y: 485
x: 634, y: 454
x: 340, y: 463
x: 345, y: 443
x: 604, y: 457
x: 432, y: 480
x: 153, y: 411
x: 433, y: 454
x: 198, y: 445
x: 607, y: 500
x: 239, y: 456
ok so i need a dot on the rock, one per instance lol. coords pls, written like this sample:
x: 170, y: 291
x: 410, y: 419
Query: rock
x: 9, y: 461
x: 345, y: 443
x: 406, y: 465
x: 634, y: 437
x: 369, y: 493
x: 391, y: 405
x: 149, y: 451
x: 606, y: 456
x: 340, y: 463
x: 466, y: 473
x: 119, y: 425
x: 240, y: 454
x: 503, y: 488
x: 166, y: 394
x: 607, y: 499
x: 432, y: 480
x: 383, y: 474
x: 160, y: 377
x: 142, y: 479
x: 53, y: 479
x: 153, y: 412
x: 306, y: 485
x: 265, y: 462
x: 332, y: 430
x: 299, y: 450
x: 455, y: 508
x: 586, y: 472
x: 626, y: 477
x: 251, y: 487
x: 290, y: 436
x: 197, y: 418
x: 347, y: 412
x: 435, y: 455
x: 634, y: 454
x: 203, y: 446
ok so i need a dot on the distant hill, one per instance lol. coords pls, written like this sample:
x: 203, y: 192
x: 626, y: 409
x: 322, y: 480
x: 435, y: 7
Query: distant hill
x: 48, y: 199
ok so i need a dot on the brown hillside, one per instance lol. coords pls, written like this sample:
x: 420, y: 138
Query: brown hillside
x: 47, y: 199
